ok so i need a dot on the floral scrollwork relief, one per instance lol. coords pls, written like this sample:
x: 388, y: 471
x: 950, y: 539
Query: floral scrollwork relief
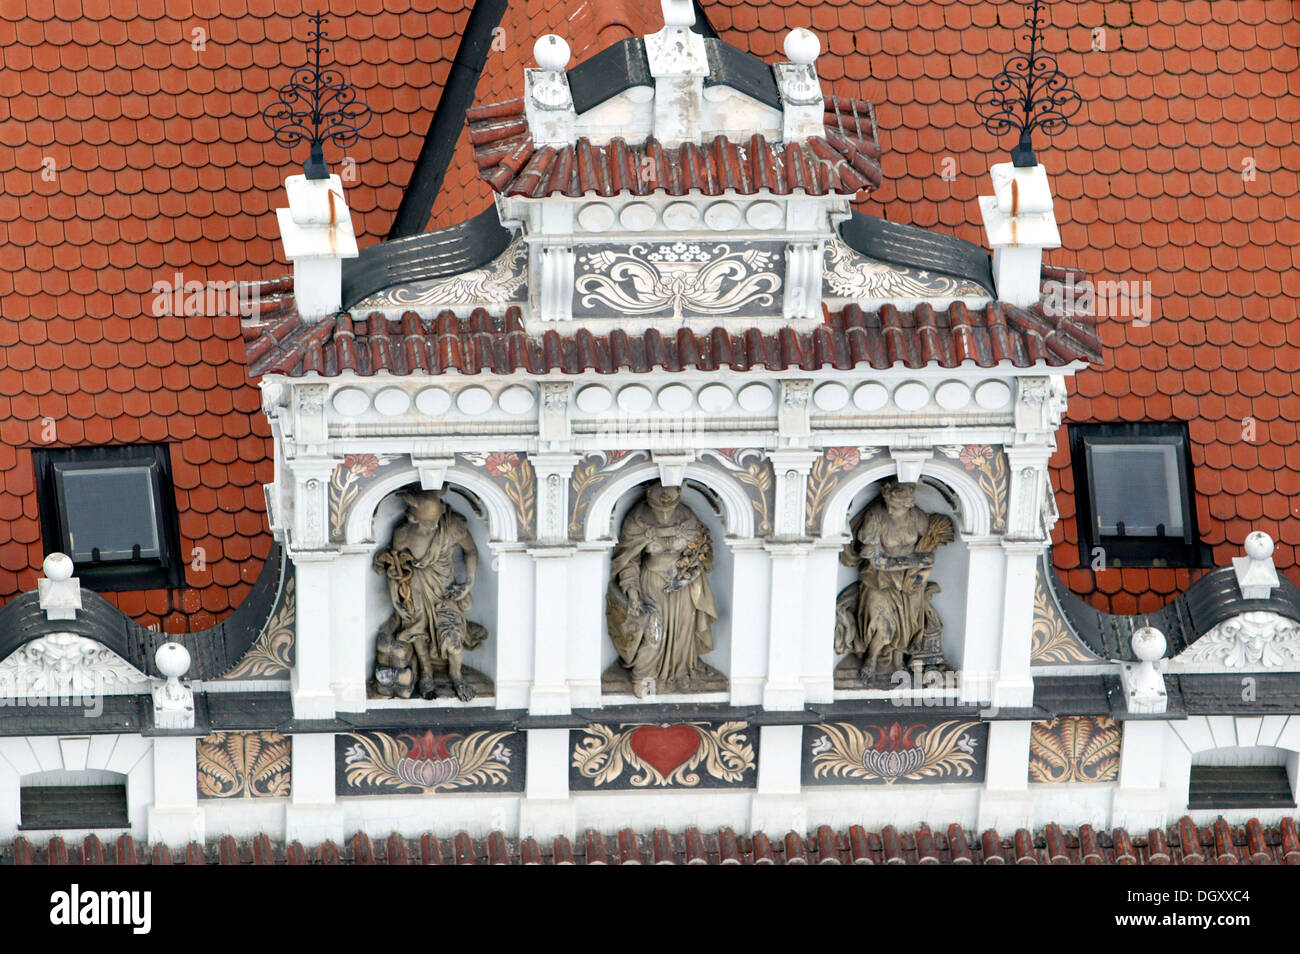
x: 989, y: 465
x: 1074, y: 749
x: 244, y: 765
x: 645, y: 755
x: 678, y: 279
x: 947, y: 751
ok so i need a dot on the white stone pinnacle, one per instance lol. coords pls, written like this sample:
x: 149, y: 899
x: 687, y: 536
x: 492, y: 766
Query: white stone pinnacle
x: 802, y: 47
x: 59, y: 592
x: 1256, y: 574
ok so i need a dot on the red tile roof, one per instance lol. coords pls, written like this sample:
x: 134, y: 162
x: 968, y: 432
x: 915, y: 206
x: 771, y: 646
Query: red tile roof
x: 1182, y: 844
x: 483, y: 343
x: 588, y: 26
x: 131, y: 149
x: 845, y: 161
x: 1182, y: 99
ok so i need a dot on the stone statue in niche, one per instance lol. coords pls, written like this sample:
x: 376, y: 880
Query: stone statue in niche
x: 422, y: 646
x: 886, y: 619
x: 659, y: 606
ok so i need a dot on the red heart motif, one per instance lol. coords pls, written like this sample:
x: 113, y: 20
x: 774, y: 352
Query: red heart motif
x: 665, y: 748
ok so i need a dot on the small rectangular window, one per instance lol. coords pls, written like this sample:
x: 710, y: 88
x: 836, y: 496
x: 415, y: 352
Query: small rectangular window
x: 1134, y: 495
x: 1246, y: 786
x: 113, y: 510
x: 73, y: 806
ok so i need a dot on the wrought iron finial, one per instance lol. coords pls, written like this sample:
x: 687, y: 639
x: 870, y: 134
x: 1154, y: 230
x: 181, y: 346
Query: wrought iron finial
x: 1031, y: 93
x: 316, y: 105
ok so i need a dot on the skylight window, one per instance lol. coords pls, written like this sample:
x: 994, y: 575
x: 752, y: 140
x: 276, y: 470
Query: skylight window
x: 1134, y: 496
x: 113, y: 511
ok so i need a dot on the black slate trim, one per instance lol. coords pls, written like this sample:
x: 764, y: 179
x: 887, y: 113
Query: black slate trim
x: 611, y: 71
x: 624, y: 64
x: 108, y: 714
x: 911, y: 247
x: 1247, y: 693
x: 744, y: 72
x: 448, y: 120
x: 1206, y: 603
x: 213, y: 651
x: 430, y: 255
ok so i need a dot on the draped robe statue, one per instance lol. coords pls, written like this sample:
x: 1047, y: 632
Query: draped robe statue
x: 659, y: 606
x: 428, y: 630
x: 887, y: 615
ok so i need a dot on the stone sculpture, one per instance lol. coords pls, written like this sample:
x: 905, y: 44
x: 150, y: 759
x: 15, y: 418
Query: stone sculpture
x: 428, y: 633
x: 887, y: 618
x: 659, y: 606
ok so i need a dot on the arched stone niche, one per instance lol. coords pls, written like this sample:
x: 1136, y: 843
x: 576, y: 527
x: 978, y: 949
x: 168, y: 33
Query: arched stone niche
x: 951, y: 563
x: 711, y: 508
x: 387, y: 515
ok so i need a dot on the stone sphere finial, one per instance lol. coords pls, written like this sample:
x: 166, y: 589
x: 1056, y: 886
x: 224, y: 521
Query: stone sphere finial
x: 1149, y: 644
x: 58, y: 566
x: 551, y: 52
x: 172, y: 660
x: 1259, y: 545
x: 802, y: 46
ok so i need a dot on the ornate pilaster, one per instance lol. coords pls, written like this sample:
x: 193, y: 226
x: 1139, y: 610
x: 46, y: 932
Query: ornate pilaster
x: 794, y: 418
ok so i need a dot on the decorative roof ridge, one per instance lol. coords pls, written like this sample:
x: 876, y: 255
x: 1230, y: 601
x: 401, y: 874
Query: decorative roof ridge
x: 1205, y: 603
x: 1180, y: 843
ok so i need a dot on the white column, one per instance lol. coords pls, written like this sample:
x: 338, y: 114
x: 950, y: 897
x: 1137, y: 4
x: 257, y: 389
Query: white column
x: 550, y: 691
x: 783, y: 688
x: 1005, y: 802
x: 778, y: 805
x: 547, y: 811
x: 312, y: 815
x: 514, y: 636
x: 1141, y: 798
x: 346, y: 619
x: 1015, y: 684
x: 587, y: 637
x: 982, y: 639
x: 751, y: 617
x: 821, y: 587
x: 175, y: 818
x: 313, y: 696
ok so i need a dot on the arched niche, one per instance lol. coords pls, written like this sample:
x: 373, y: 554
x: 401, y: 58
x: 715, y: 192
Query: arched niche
x: 460, y: 500
x: 736, y: 514
x: 951, y: 562
x: 968, y: 505
x: 495, y: 508
x: 710, y: 507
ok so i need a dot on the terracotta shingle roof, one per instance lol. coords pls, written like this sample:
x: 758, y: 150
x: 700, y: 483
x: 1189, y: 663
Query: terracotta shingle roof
x: 1182, y: 98
x: 844, y: 161
x: 588, y: 26
x: 1182, y: 844
x: 131, y: 149
x: 484, y: 343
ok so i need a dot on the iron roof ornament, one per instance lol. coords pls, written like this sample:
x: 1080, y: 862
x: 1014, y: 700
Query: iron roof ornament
x: 316, y: 105
x: 1030, y: 93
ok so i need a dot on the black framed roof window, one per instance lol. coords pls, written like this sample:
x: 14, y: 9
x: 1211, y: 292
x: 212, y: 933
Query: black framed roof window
x: 113, y: 510
x: 1134, y: 495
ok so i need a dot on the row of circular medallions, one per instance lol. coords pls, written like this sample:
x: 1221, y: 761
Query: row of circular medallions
x: 434, y: 402
x: 674, y: 398
x: 680, y: 216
